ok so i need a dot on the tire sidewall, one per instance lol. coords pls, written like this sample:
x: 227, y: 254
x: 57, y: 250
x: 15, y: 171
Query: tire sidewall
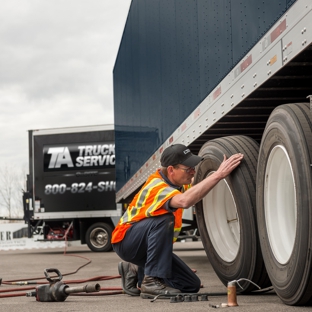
x: 108, y: 229
x: 277, y: 133
x: 242, y: 264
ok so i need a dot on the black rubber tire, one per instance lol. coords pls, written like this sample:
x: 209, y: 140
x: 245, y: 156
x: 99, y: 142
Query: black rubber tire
x: 98, y: 237
x: 247, y: 261
x: 289, y: 128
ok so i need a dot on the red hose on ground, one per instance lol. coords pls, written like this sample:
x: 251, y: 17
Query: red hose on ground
x: 99, y: 293
x: 13, y: 295
x: 96, y: 278
x: 17, y: 289
x: 9, y: 282
x: 105, y: 292
x: 92, y: 279
x: 113, y: 290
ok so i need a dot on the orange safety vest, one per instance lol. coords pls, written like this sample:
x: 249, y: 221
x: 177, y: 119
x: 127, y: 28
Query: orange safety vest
x: 149, y: 202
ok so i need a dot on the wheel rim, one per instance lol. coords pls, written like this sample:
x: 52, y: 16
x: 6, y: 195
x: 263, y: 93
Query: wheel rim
x: 280, y: 204
x: 222, y: 221
x: 98, y: 237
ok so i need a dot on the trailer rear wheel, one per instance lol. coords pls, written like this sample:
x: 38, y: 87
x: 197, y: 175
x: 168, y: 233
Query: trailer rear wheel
x: 284, y: 201
x: 226, y: 217
x: 98, y: 237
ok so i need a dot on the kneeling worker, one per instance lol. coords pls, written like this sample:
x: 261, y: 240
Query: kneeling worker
x: 145, y: 233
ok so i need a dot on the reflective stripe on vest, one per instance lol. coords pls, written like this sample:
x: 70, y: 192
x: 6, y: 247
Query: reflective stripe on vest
x: 149, y: 202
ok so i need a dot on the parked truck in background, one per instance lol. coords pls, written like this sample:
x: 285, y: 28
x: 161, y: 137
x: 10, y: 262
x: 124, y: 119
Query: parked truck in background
x: 71, y: 185
x: 224, y: 77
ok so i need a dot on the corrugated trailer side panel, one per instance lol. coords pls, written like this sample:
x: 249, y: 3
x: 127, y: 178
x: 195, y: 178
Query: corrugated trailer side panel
x: 172, y: 55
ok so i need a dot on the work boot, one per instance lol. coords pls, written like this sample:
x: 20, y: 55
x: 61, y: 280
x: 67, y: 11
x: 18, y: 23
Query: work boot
x: 153, y: 286
x: 129, y: 278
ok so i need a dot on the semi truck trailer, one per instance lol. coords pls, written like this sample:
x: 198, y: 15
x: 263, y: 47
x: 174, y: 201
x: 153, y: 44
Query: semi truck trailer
x: 70, y: 193
x: 223, y: 77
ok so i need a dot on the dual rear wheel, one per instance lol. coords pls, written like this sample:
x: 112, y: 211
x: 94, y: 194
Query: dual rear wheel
x: 257, y: 223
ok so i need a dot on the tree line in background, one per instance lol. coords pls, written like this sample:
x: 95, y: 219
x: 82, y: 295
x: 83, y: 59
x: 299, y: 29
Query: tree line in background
x: 12, y: 185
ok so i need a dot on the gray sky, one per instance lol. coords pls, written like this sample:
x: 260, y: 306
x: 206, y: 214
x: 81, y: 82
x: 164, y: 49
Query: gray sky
x: 56, y: 64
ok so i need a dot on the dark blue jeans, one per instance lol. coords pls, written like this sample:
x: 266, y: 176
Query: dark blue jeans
x: 148, y: 244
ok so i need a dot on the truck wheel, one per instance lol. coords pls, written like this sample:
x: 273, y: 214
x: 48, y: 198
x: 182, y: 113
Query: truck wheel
x: 284, y: 201
x: 98, y: 237
x: 226, y: 217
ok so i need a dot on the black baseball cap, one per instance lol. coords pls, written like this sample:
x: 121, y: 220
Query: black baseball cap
x: 179, y: 154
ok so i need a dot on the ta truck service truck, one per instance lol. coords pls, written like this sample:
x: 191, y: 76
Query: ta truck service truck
x: 71, y: 185
x: 222, y: 77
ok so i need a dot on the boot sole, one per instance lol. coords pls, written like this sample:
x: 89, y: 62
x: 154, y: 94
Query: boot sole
x: 147, y: 296
x: 163, y: 296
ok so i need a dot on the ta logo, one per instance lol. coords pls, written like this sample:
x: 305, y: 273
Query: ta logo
x: 59, y: 156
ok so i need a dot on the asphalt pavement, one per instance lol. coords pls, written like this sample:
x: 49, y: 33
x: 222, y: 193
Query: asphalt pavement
x: 24, y: 265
